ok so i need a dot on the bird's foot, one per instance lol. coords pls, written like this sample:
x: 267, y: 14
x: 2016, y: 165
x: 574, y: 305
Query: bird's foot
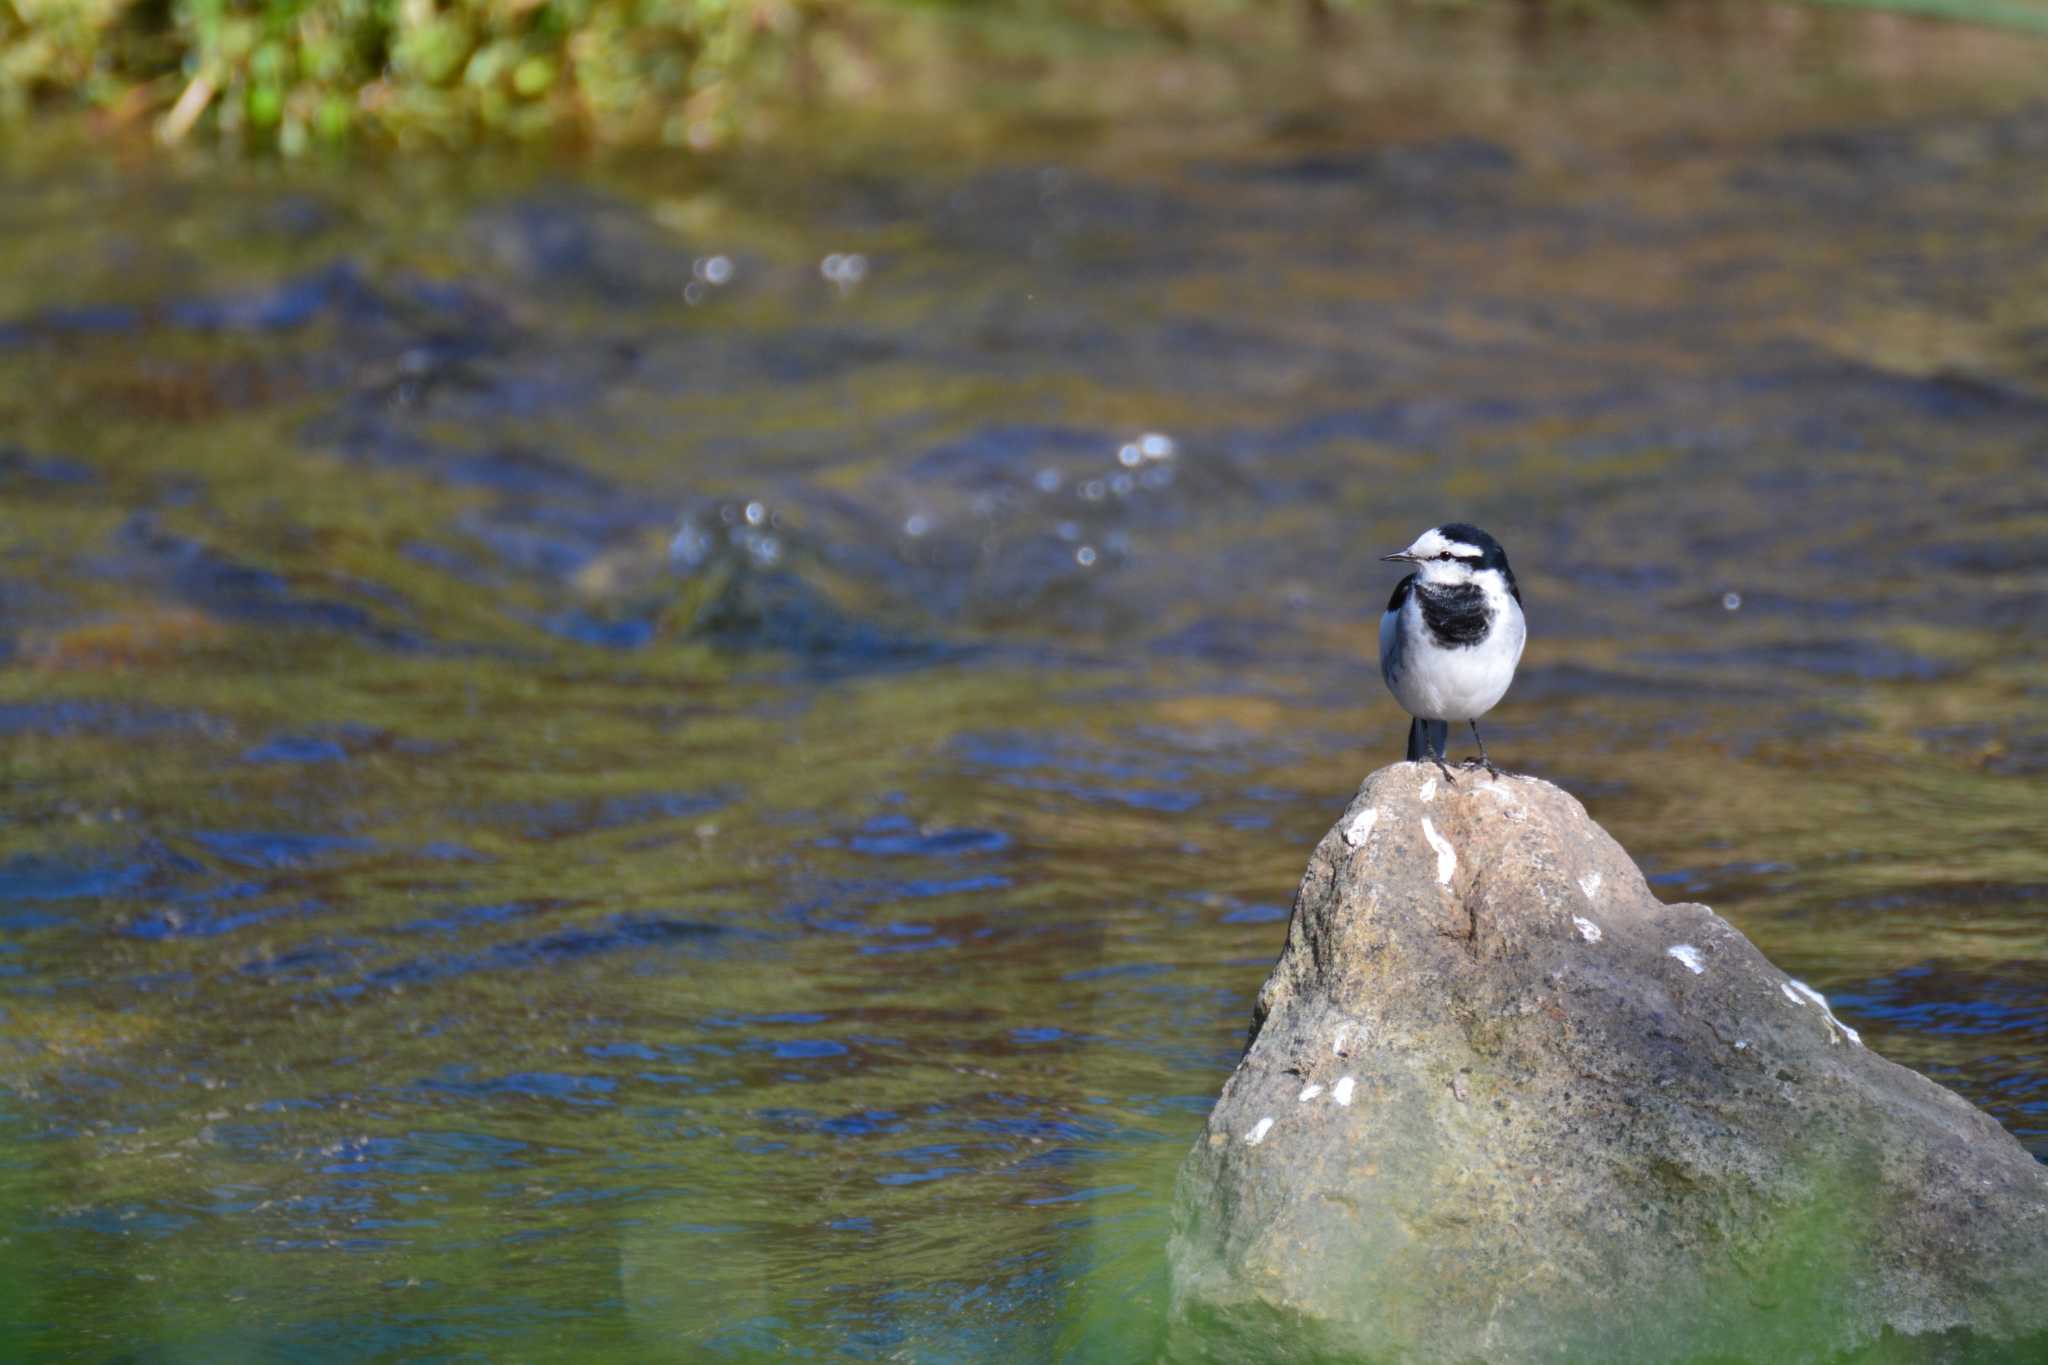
x: 1492, y: 768
x: 1436, y: 759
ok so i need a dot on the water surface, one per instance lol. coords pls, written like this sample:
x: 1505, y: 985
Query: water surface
x: 702, y: 760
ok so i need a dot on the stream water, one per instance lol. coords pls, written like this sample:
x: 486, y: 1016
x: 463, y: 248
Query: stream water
x: 701, y: 760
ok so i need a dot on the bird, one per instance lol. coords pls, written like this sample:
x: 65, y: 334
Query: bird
x: 1451, y: 636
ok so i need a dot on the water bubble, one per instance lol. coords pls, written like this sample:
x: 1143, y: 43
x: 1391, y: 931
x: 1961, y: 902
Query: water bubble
x: 756, y: 513
x: 729, y: 514
x: 718, y: 270
x: 916, y: 524
x: 1048, y: 480
x: 689, y: 546
x: 766, y: 550
x: 1085, y: 556
x: 1068, y: 530
x: 844, y: 269
x: 1093, y: 490
x: 1156, y: 445
x: 1122, y: 485
x: 1732, y: 601
x: 1130, y: 455
x: 693, y: 293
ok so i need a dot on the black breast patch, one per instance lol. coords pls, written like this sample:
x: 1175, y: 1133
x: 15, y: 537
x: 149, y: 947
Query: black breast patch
x: 1458, y: 617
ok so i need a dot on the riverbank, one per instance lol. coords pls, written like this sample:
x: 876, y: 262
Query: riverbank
x: 298, y: 76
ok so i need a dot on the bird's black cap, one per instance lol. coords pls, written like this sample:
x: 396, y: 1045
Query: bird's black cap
x: 1491, y: 555
x: 1471, y: 535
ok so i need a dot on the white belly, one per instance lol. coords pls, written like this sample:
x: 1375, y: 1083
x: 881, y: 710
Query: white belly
x: 1450, y: 684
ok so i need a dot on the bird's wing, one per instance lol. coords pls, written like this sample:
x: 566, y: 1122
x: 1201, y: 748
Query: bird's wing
x: 1390, y: 628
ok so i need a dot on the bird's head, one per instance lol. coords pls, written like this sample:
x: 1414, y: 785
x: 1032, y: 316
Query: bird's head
x: 1453, y: 554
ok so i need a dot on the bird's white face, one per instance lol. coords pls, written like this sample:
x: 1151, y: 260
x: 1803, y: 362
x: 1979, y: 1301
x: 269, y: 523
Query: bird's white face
x: 1441, y: 561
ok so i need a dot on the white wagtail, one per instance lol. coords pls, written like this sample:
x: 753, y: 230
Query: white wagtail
x: 1451, y: 637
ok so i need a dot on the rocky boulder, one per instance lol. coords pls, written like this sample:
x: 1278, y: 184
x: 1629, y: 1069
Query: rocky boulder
x: 1501, y: 1105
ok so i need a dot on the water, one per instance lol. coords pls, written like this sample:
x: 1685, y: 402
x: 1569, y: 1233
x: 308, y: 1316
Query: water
x: 701, y: 761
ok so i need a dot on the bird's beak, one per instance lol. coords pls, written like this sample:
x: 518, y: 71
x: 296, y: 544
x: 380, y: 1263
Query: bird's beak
x: 1402, y: 558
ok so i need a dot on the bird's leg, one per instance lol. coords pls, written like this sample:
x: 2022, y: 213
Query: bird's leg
x: 1438, y: 731
x: 1484, y: 761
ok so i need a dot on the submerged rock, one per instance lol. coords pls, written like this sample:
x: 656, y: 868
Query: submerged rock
x: 1501, y: 1105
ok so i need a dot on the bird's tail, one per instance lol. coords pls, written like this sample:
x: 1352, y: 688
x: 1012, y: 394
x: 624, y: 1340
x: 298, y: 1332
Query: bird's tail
x: 1426, y: 737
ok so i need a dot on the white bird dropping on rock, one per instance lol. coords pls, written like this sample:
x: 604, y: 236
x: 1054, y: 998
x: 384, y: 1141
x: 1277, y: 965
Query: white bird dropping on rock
x: 1689, y: 955
x: 1259, y: 1130
x: 1360, y: 828
x: 1446, y: 857
x: 1799, y: 992
x: 1342, y: 1094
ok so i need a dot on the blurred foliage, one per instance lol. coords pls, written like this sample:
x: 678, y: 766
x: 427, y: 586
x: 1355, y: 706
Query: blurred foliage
x: 292, y: 71
x: 291, y: 74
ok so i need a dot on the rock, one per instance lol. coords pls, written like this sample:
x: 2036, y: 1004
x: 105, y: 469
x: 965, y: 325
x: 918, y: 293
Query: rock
x: 1499, y: 1105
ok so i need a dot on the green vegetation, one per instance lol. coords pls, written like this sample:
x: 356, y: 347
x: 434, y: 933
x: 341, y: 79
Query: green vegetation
x: 292, y: 74
x: 295, y: 72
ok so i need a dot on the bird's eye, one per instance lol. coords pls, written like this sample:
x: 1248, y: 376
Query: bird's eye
x: 1446, y: 554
